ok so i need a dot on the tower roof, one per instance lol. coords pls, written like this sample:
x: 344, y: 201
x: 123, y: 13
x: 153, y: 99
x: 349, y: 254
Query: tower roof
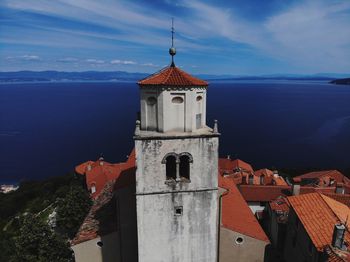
x: 172, y: 76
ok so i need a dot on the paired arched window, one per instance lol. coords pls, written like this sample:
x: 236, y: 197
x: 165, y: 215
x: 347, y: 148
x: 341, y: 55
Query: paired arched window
x: 177, y: 166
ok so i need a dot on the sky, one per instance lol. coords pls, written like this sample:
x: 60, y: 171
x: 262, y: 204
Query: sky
x: 238, y: 37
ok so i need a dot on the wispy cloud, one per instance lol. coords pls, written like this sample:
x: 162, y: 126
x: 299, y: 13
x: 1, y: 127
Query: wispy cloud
x: 24, y: 58
x: 123, y: 62
x: 95, y: 61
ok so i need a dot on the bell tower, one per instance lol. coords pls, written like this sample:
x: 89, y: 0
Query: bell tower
x: 177, y: 166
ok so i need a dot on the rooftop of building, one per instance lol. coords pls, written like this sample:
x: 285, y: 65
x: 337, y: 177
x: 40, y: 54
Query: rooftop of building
x: 236, y: 215
x: 334, y: 174
x: 318, y: 215
x: 172, y: 76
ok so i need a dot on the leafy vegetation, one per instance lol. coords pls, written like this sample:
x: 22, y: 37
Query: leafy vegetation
x: 25, y: 231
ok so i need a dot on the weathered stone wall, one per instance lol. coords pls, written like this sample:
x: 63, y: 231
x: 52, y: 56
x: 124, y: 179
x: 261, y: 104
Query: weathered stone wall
x: 162, y: 234
x: 151, y: 173
x: 165, y: 236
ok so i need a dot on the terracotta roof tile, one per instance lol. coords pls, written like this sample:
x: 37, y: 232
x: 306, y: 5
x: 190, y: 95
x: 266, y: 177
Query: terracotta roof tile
x: 335, y: 174
x: 319, y: 214
x: 263, y: 193
x: 342, y: 198
x: 172, y: 76
x: 236, y: 215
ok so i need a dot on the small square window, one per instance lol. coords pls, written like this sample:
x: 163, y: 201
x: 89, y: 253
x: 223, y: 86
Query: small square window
x: 178, y: 211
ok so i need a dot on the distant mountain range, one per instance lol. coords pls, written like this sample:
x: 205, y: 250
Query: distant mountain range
x: 343, y: 81
x: 34, y: 76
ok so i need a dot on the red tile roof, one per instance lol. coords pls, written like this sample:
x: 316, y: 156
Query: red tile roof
x: 99, y: 172
x: 172, y: 76
x: 94, y: 225
x: 91, y: 225
x: 263, y: 171
x: 335, y: 174
x: 342, y: 198
x: 319, y: 214
x: 236, y: 215
x: 263, y: 193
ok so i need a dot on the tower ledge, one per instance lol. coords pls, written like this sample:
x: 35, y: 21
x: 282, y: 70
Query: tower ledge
x: 202, y: 132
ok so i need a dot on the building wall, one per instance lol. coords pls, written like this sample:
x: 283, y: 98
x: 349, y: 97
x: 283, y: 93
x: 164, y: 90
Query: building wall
x: 256, y: 206
x: 298, y: 245
x: 126, y: 224
x: 89, y: 250
x: 151, y: 172
x: 176, y: 115
x: 251, y: 249
x: 163, y: 235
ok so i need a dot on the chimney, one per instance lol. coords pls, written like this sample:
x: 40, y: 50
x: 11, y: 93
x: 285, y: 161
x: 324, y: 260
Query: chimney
x: 338, y: 236
x: 228, y: 156
x: 296, y: 189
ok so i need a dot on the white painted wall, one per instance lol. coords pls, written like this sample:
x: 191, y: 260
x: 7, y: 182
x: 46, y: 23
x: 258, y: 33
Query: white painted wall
x: 174, y: 116
x: 89, y: 251
x: 255, y: 206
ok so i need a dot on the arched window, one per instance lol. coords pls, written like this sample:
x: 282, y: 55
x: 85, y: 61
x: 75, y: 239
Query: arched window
x: 170, y: 163
x: 251, y: 179
x: 185, y: 167
x: 262, y: 179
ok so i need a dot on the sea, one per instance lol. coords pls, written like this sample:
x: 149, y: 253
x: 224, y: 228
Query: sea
x: 47, y: 128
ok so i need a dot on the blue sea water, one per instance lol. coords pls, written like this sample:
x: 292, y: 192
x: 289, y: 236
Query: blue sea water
x: 48, y: 128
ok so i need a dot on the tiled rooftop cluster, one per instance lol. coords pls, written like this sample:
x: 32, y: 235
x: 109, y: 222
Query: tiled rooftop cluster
x: 236, y: 215
x: 318, y: 214
x: 99, y: 172
x: 243, y: 173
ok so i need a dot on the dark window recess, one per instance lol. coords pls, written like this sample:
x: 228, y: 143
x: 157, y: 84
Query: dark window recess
x: 185, y: 167
x: 178, y: 211
x: 171, y: 167
x: 99, y: 243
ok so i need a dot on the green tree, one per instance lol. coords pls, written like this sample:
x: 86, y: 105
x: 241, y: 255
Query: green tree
x: 72, y: 210
x: 37, y: 243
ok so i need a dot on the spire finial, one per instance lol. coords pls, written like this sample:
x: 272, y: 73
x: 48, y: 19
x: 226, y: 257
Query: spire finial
x: 172, y: 50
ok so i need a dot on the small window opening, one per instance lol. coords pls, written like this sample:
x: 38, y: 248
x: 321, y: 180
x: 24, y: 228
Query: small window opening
x: 93, y: 188
x: 185, y: 167
x: 178, y: 211
x: 199, y: 98
x: 171, y: 167
x: 151, y: 101
x: 239, y: 240
x: 177, y: 100
x: 99, y: 243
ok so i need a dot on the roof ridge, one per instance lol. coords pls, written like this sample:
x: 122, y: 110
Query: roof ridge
x: 155, y: 73
x: 333, y: 209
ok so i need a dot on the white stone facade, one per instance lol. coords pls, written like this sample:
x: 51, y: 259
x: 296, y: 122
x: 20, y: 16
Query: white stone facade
x: 170, y: 109
x: 177, y: 203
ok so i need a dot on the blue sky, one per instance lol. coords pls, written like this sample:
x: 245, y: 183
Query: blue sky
x: 240, y: 37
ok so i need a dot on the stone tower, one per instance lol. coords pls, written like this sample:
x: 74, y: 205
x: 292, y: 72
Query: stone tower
x: 177, y: 166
